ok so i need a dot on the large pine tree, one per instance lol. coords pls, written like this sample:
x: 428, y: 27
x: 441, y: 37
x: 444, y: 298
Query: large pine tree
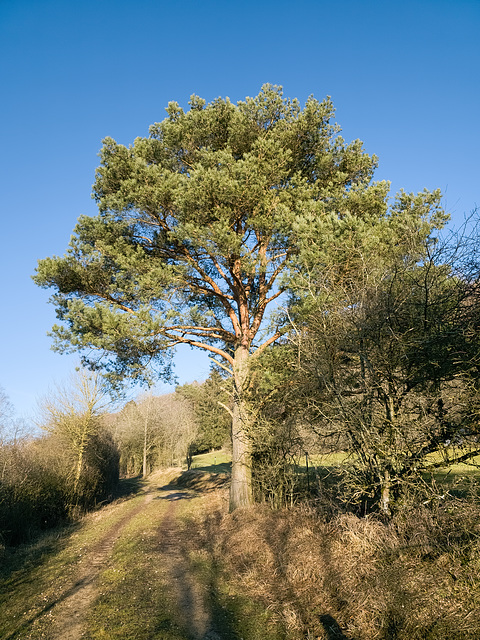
x: 197, y: 224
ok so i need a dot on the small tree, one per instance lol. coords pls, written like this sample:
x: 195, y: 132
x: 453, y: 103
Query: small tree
x: 73, y: 415
x: 388, y: 357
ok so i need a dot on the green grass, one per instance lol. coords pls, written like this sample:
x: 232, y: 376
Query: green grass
x: 456, y: 473
x: 463, y: 468
x: 436, y: 457
x: 457, y: 479
x: 454, y: 470
x: 221, y: 462
x: 214, y: 462
x: 324, y: 460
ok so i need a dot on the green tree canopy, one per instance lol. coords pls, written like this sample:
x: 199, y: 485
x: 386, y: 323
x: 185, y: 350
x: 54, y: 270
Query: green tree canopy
x: 197, y: 223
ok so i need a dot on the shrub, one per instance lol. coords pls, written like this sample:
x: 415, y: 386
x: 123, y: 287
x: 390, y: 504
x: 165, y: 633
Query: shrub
x: 36, y: 485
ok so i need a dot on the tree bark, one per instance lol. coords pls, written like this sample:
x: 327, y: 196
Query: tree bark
x: 146, y: 419
x: 241, y: 494
x: 144, y: 469
x: 385, y: 493
x: 78, y: 470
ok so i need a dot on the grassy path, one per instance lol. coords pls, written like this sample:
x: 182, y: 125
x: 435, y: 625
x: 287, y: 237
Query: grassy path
x: 72, y: 607
x: 130, y: 571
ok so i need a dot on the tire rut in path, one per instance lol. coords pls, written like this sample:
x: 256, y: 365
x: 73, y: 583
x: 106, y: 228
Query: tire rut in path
x: 72, y: 606
x: 187, y: 592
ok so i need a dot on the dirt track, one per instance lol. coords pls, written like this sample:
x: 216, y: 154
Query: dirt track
x: 156, y: 507
x: 70, y: 611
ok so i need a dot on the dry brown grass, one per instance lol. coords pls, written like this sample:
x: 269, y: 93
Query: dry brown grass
x: 416, y: 578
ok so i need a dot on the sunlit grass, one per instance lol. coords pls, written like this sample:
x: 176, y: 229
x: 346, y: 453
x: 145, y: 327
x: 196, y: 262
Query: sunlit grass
x: 462, y: 467
x: 215, y: 461
x: 332, y: 459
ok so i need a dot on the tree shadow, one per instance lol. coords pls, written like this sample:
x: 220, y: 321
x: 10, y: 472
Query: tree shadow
x: 202, y: 606
x: 26, y: 625
x: 221, y: 467
x: 18, y: 562
x: 198, y: 481
x: 127, y: 487
x: 277, y: 540
x: 332, y: 628
x: 178, y: 495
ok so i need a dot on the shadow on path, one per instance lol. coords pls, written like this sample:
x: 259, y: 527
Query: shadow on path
x: 128, y: 487
x: 198, y: 619
x: 221, y: 467
x: 199, y: 481
x: 179, y: 495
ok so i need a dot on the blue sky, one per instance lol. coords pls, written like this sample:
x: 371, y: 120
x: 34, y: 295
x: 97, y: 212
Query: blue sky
x: 403, y: 76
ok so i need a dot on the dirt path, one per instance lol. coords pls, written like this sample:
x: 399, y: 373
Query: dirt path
x: 70, y: 611
x: 188, y: 593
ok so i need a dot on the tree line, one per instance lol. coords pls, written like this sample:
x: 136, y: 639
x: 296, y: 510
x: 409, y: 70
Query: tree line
x: 168, y: 430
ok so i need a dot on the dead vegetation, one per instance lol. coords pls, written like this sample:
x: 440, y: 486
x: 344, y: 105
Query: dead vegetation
x: 414, y: 578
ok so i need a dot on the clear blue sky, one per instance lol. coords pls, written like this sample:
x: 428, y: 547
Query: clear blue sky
x: 404, y: 77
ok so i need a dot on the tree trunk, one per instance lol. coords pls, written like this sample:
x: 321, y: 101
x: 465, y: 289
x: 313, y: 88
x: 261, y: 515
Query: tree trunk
x: 145, y: 437
x: 78, y: 470
x: 144, y: 470
x: 385, y: 493
x: 241, y: 494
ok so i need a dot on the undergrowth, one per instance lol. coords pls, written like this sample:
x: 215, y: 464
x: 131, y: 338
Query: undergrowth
x: 415, y: 578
